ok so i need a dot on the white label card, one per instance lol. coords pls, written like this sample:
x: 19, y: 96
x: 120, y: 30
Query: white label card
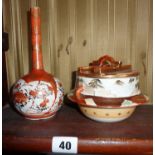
x: 64, y: 144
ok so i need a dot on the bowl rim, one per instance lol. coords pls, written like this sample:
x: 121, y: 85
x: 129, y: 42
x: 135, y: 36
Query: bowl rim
x: 72, y: 98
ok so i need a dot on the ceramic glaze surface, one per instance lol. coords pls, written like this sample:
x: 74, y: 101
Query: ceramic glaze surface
x: 37, y: 97
x: 107, y: 114
x: 109, y: 87
x: 60, y: 93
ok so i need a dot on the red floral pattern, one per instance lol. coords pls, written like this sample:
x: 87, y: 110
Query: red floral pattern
x: 20, y: 97
x: 37, y: 97
x: 43, y: 104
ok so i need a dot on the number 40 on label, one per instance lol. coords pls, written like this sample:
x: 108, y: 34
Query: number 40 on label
x: 64, y: 144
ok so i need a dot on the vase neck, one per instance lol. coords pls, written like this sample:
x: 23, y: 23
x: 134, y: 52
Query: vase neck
x: 37, y: 60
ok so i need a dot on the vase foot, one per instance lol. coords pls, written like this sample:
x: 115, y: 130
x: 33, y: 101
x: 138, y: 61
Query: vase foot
x: 39, y: 118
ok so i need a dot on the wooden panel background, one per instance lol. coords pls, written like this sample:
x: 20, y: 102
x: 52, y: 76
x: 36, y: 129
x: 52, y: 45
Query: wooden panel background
x: 75, y: 32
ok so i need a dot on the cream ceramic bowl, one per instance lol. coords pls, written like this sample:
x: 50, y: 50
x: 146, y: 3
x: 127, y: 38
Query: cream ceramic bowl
x: 107, y: 91
x: 106, y: 113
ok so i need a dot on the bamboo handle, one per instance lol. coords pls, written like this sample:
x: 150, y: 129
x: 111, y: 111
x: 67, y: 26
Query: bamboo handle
x: 78, y: 95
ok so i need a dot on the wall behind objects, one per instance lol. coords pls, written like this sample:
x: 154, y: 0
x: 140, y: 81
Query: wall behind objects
x: 75, y: 32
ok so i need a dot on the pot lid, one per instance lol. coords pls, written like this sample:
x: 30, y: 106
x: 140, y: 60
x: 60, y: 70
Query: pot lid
x: 107, y: 67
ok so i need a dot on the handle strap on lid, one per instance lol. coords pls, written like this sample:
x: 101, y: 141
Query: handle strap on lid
x: 106, y: 61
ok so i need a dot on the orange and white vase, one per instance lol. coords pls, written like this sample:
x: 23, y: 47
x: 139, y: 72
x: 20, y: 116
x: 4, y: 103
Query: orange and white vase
x: 37, y: 95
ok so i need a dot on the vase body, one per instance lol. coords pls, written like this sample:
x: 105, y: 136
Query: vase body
x: 37, y: 95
